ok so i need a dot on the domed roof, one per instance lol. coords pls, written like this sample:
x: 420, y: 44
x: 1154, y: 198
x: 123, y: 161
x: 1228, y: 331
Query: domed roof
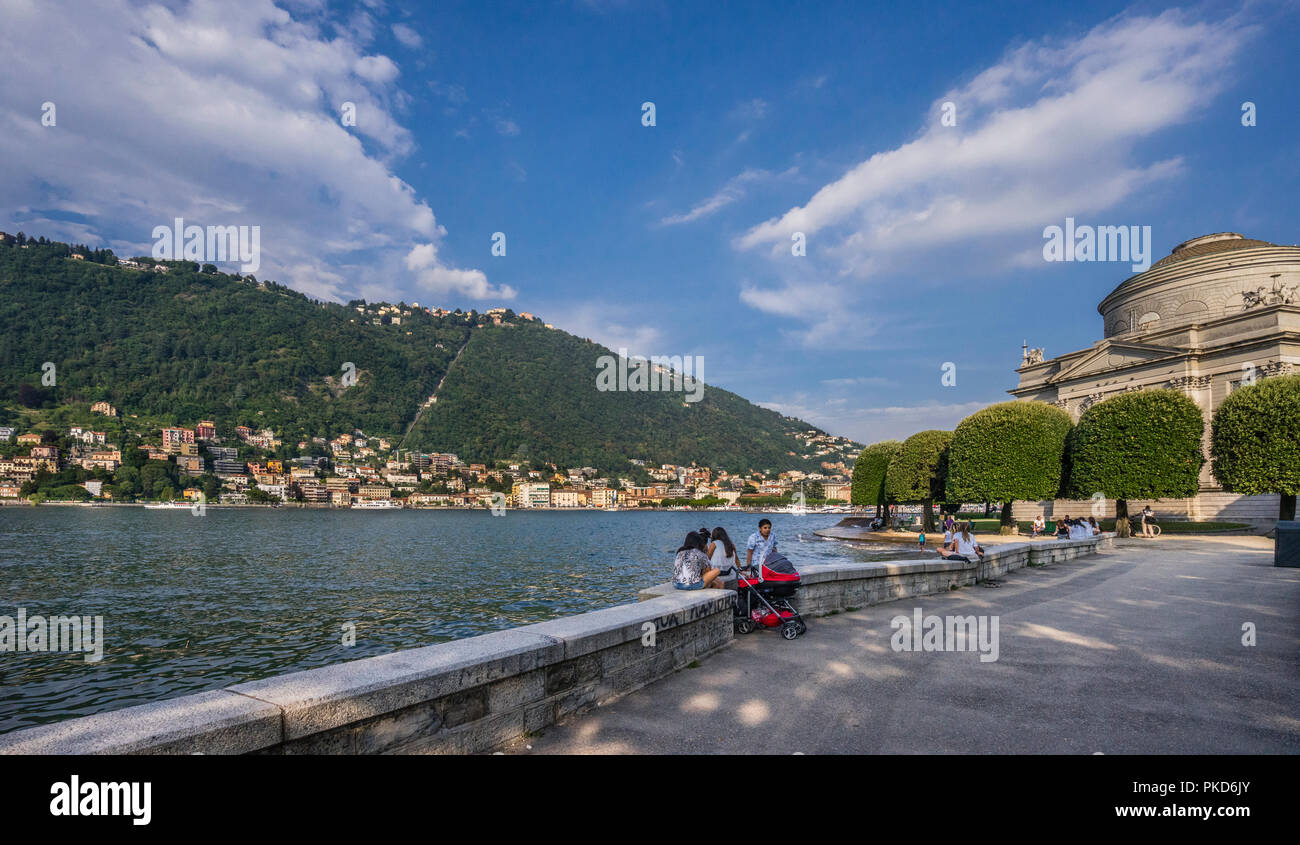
x: 1209, y: 244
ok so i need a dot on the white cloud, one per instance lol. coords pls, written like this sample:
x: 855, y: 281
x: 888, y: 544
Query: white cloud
x: 377, y: 69
x: 794, y: 299
x: 222, y: 113
x: 1052, y: 130
x: 407, y: 36
x: 733, y: 190
x: 438, y: 278
x: 613, y: 326
x: 507, y: 127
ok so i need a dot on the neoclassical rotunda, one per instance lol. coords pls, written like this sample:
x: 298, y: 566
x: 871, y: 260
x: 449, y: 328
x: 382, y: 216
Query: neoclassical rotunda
x: 1218, y: 310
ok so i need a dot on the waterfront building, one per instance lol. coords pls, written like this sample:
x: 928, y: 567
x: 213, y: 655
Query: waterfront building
x: 568, y: 498
x: 1218, y: 312
x: 834, y: 490
x: 224, y: 466
x: 531, y: 495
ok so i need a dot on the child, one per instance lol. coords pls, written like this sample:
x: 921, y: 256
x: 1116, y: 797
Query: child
x: 920, y: 539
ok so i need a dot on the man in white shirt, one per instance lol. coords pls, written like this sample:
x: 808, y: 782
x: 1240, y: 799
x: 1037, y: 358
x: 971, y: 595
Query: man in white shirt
x: 761, y: 543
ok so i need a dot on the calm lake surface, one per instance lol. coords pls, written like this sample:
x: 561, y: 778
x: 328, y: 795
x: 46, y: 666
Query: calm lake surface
x: 196, y: 603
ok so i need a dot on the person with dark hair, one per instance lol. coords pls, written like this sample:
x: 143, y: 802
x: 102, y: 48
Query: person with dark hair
x: 722, y: 556
x: 762, y: 541
x: 691, y: 570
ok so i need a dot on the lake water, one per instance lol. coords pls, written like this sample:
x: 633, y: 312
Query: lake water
x: 196, y: 603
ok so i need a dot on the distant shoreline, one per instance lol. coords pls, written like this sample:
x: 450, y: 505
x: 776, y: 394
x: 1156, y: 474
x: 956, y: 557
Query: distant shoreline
x: 326, y: 507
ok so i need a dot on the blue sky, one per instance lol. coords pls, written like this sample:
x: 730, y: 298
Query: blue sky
x: 924, y: 241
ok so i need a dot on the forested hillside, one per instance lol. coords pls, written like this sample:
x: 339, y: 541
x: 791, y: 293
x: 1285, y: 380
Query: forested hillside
x: 193, y: 343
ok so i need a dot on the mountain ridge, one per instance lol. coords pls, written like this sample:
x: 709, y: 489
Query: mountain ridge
x: 193, y: 343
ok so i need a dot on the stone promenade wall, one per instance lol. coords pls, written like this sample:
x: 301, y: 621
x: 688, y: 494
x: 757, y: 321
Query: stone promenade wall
x: 852, y: 585
x: 475, y: 694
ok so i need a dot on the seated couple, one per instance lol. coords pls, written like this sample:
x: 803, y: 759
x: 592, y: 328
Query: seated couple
x: 959, y: 544
x: 1077, y: 529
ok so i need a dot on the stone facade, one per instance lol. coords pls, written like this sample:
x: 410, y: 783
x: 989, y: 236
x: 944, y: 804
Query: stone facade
x: 1218, y: 311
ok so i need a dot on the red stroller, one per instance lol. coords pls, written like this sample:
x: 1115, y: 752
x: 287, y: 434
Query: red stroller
x: 764, y: 600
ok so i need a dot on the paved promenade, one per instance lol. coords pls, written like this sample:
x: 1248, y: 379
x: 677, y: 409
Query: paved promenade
x: 1136, y: 650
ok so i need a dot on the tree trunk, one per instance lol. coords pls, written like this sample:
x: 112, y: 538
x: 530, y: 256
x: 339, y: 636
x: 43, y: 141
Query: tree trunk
x: 927, y: 516
x: 880, y: 510
x: 988, y: 508
x: 1287, y: 507
x: 1008, y: 525
x: 1121, y: 518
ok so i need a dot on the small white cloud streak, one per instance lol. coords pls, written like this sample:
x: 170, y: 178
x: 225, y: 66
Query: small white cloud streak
x: 732, y: 191
x: 407, y: 36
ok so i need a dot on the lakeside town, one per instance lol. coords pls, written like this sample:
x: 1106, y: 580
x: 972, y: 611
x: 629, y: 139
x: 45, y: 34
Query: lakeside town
x: 186, y: 465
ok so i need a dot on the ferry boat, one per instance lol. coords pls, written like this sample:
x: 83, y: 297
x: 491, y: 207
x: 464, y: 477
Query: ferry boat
x: 377, y: 504
x: 169, y: 506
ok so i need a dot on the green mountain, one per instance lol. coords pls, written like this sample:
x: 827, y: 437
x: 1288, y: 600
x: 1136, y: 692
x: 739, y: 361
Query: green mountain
x: 193, y: 343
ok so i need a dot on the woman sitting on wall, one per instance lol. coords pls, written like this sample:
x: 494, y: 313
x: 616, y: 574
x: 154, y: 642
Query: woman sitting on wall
x: 722, y: 556
x: 691, y: 570
x: 963, y: 546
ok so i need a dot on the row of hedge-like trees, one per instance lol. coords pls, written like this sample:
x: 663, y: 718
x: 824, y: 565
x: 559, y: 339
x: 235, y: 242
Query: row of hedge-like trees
x: 1138, y: 445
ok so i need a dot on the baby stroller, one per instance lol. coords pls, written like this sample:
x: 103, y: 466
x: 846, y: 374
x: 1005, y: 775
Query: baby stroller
x: 764, y: 600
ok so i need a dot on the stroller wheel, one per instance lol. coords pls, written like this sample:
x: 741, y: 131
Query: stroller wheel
x: 802, y: 628
x: 789, y: 630
x: 744, y: 626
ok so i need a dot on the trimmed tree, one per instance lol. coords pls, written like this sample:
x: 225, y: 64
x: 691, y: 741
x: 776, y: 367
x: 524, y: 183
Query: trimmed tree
x: 1012, y: 450
x: 1142, y: 445
x: 1255, y: 441
x: 919, y: 472
x: 869, y: 474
